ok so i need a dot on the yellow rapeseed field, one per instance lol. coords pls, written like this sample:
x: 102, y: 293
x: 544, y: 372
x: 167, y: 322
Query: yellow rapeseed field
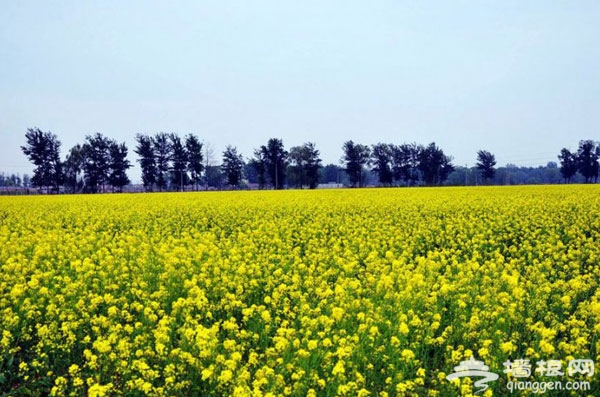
x: 373, y: 292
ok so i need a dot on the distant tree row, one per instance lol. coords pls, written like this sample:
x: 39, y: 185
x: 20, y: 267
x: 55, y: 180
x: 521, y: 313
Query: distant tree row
x: 169, y: 162
x: 585, y: 161
x: 404, y: 164
x: 14, y: 180
x: 274, y: 166
x: 90, y: 168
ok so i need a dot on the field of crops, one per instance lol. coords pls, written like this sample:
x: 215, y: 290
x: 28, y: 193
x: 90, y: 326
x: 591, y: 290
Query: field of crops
x: 368, y: 292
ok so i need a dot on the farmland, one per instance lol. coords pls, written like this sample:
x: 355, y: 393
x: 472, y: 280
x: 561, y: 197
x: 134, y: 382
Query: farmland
x: 367, y: 292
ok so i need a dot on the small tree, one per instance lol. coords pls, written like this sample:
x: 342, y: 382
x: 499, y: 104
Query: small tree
x: 434, y: 165
x: 214, y: 179
x: 193, y: 148
x: 332, y: 173
x: 96, y: 166
x: 587, y: 160
x: 118, y: 166
x: 381, y: 158
x: 73, y: 167
x: 275, y: 157
x: 232, y: 166
x: 259, y: 164
x: 405, y: 163
x: 304, y: 165
x: 485, y: 164
x: 356, y: 157
x: 312, y: 164
x: 568, y: 164
x: 43, y: 150
x: 162, y: 156
x: 179, y: 159
x: 145, y: 151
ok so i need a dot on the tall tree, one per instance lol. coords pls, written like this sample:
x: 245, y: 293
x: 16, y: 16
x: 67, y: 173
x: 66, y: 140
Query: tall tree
x: 568, y: 164
x: 73, y: 168
x: 233, y: 164
x: 209, y: 162
x: 312, y: 164
x: 587, y: 160
x: 356, y: 157
x: 276, y: 162
x: 179, y: 157
x: 259, y: 164
x: 381, y: 158
x: 145, y: 151
x: 304, y: 165
x: 96, y: 166
x: 434, y: 165
x: 118, y: 166
x: 162, y: 157
x: 43, y: 150
x: 405, y: 162
x: 296, y: 174
x: 195, y: 159
x: 485, y: 164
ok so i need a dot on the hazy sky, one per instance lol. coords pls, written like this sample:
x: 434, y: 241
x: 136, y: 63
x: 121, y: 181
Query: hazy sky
x: 518, y: 78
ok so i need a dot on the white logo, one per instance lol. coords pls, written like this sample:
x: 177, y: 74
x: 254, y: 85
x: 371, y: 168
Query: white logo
x: 521, y: 372
x: 472, y: 368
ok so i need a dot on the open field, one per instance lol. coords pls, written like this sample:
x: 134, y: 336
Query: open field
x: 349, y: 292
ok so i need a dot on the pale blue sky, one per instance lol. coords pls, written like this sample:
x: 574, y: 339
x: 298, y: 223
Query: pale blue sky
x: 518, y: 78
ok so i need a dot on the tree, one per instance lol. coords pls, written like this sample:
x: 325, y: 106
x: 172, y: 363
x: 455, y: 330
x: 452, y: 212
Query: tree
x: 331, y: 174
x: 568, y: 164
x: 145, y: 151
x: 56, y: 172
x: 356, y: 156
x: 296, y: 175
x: 118, y: 166
x: 405, y: 162
x: 179, y: 159
x: 446, y: 168
x: 96, y: 165
x: 213, y: 176
x: 233, y: 164
x: 381, y: 158
x: 259, y: 164
x: 312, y: 164
x: 193, y: 148
x: 43, y: 150
x: 209, y: 159
x: 434, y: 165
x: 162, y: 156
x: 275, y: 157
x: 485, y: 164
x: 11, y: 180
x: 587, y: 160
x: 304, y: 165
x: 73, y: 168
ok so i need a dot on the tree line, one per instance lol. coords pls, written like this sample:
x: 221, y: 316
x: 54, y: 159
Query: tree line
x: 91, y: 167
x: 172, y: 163
x: 584, y: 161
